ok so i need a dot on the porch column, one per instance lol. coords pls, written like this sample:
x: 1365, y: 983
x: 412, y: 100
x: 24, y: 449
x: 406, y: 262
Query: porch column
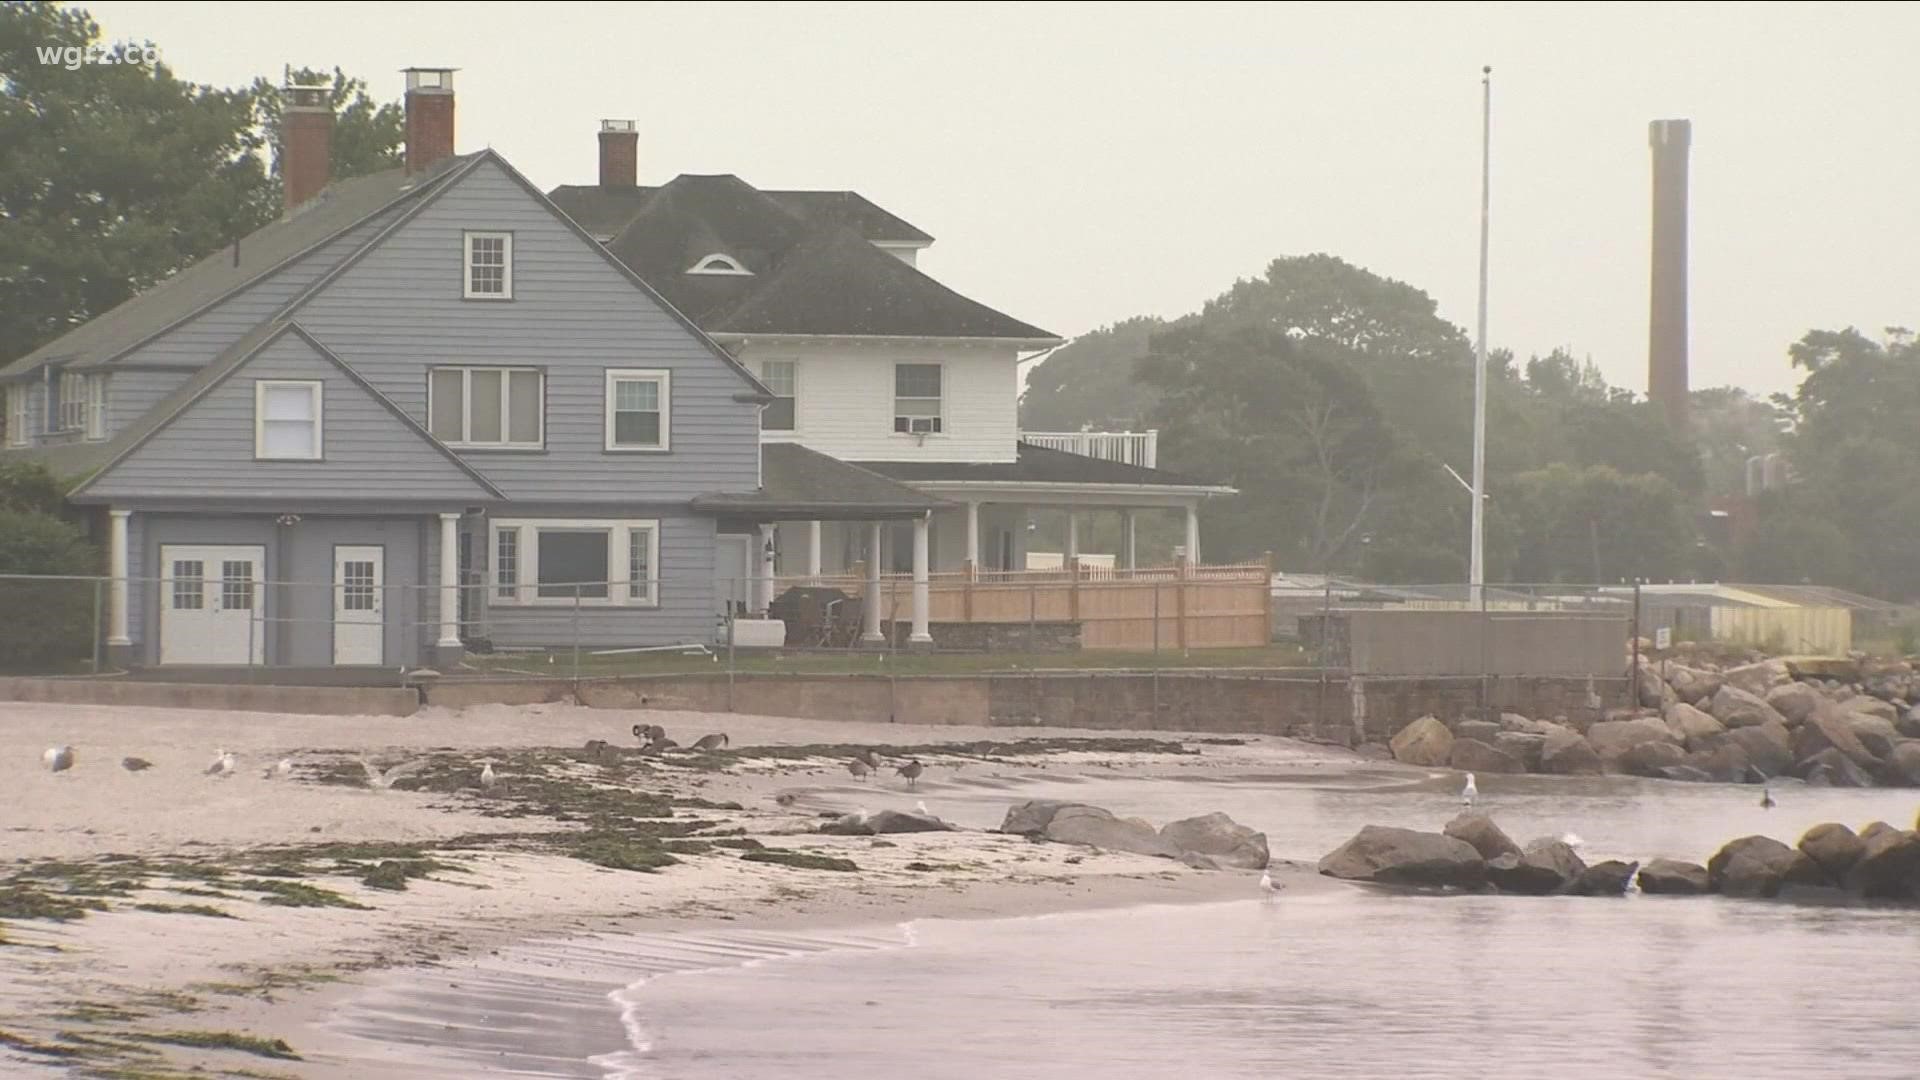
x: 449, y: 582
x: 1193, y: 534
x: 1072, y: 557
x: 973, y: 539
x: 1129, y: 545
x: 117, y: 633
x: 813, y: 549
x: 871, y: 635
x: 921, y: 595
x: 763, y: 588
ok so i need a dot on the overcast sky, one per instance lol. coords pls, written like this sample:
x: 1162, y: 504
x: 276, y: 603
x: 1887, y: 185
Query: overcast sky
x: 1082, y: 164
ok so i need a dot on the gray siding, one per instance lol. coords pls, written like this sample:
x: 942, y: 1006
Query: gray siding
x: 131, y: 393
x: 399, y: 312
x: 367, y: 451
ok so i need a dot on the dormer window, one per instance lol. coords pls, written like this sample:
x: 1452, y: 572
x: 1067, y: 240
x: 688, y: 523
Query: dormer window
x: 720, y: 264
x: 489, y: 266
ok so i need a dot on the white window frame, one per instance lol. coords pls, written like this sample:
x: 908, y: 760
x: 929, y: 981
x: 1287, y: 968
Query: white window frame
x: 894, y: 398
x: 466, y: 266
x: 96, y: 407
x: 73, y: 402
x: 722, y: 264
x: 506, y: 403
x: 795, y: 364
x: 661, y: 376
x: 17, y: 413
x: 314, y: 390
x: 622, y: 591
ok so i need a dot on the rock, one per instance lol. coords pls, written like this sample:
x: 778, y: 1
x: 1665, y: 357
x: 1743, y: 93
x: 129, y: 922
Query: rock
x: 1693, y: 684
x: 1831, y: 768
x: 1479, y: 831
x: 1834, y: 848
x: 1688, y: 774
x: 1888, y: 867
x: 1392, y: 856
x: 899, y: 821
x: 1876, y: 733
x: 1841, y: 668
x: 1426, y: 741
x: 1755, y: 679
x: 1481, y: 730
x: 1648, y: 758
x: 1546, y: 868
x: 1698, y: 730
x: 1032, y: 817
x: 848, y: 825
x: 1610, y: 878
x: 1526, y: 747
x: 1736, y: 708
x: 1828, y: 729
x: 1724, y: 764
x: 1671, y: 877
x: 1752, y: 866
x: 1611, y: 738
x: 1516, y: 722
x: 1567, y: 754
x: 1794, y: 701
x: 1225, y: 840
x: 1876, y: 828
x: 1768, y: 747
x: 1868, y: 705
x: 1903, y: 765
x: 1095, y: 827
x: 1654, y: 691
x: 1909, y: 724
x: 1472, y: 755
x: 1199, y: 861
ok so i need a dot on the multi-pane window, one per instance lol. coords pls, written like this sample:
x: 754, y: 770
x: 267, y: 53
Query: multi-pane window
x: 489, y: 266
x: 356, y: 585
x: 96, y: 407
x: 286, y: 420
x: 188, y: 589
x: 236, y: 585
x: 554, y: 562
x: 916, y: 398
x: 782, y: 377
x: 638, y: 407
x: 17, y: 415
x: 73, y: 402
x: 486, y: 406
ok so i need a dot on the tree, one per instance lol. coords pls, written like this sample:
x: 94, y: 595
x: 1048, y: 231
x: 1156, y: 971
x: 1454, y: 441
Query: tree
x: 368, y: 136
x: 27, y: 487
x: 1729, y: 426
x: 1088, y: 383
x: 1596, y: 525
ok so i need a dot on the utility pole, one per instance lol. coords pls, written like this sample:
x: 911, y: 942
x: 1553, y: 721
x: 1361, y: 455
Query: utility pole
x: 1477, y: 570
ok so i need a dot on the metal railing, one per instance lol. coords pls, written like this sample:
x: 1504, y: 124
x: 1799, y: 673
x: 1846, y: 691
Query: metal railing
x: 1140, y: 448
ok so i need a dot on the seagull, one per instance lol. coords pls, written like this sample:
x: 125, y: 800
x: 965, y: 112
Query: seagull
x: 858, y: 768
x: 710, y: 742
x: 1267, y: 885
x: 58, y: 758
x: 921, y: 806
x: 223, y: 764
x: 384, y: 780
x: 487, y: 779
x: 1470, y: 792
x: 911, y: 770
x: 1572, y: 840
x: 868, y: 757
x: 1766, y: 797
x: 283, y: 767
x: 135, y: 764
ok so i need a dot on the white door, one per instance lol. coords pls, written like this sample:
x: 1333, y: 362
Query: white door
x: 359, y: 626
x: 210, y: 604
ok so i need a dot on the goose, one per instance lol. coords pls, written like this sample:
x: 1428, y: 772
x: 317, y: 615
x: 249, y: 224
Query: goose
x: 57, y: 758
x: 710, y: 742
x: 1766, y: 797
x: 911, y: 770
x: 1469, y: 792
x: 135, y: 764
x: 223, y: 764
x: 858, y: 768
x: 643, y: 733
x: 384, y: 780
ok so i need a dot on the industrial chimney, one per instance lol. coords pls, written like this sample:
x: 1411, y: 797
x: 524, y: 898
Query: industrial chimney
x: 1667, y: 313
x: 429, y: 117
x: 306, y: 143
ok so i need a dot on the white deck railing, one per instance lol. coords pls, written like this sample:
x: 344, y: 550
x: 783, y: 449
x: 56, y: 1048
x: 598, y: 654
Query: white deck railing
x: 1140, y: 448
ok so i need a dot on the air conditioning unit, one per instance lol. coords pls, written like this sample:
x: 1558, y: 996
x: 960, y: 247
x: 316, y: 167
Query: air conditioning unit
x: 923, y: 425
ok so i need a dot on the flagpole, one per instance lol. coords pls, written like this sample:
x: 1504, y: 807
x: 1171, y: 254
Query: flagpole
x: 1477, y: 569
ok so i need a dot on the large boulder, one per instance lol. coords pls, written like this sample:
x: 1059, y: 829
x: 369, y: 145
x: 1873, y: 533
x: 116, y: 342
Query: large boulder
x: 1736, y: 708
x: 1426, y: 741
x: 1648, y: 759
x: 1909, y: 723
x: 1609, y: 878
x: 1543, y: 869
x: 1670, y: 877
x: 1096, y: 827
x: 1795, y: 701
x: 1654, y: 691
x: 1391, y: 856
x: 1889, y: 866
x: 1831, y: 768
x: 1032, y: 817
x: 1725, y: 764
x: 899, y: 821
x: 1523, y: 725
x: 1611, y: 738
x: 1485, y: 837
x: 1903, y: 765
x: 1692, y: 684
x: 1568, y: 754
x: 1829, y: 729
x: 1868, y: 705
x: 1521, y: 745
x: 1834, y: 847
x: 1481, y: 730
x: 1769, y: 747
x: 1839, y: 668
x: 1752, y: 866
x: 1756, y: 679
x: 1697, y: 729
x: 1876, y: 733
x: 1472, y: 755
x: 1220, y: 838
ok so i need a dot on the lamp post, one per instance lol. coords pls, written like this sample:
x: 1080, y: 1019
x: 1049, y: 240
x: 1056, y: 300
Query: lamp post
x: 1477, y: 573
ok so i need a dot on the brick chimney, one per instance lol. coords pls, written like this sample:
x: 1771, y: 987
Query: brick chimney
x: 306, y: 143
x: 429, y: 117
x: 1667, y: 309
x: 619, y: 154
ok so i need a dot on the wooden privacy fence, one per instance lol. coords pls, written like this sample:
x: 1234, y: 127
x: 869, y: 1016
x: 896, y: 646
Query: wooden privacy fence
x: 1167, y: 607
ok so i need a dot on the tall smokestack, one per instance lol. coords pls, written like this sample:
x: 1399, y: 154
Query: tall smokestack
x: 619, y: 154
x: 306, y: 143
x: 429, y: 117
x: 1667, y: 313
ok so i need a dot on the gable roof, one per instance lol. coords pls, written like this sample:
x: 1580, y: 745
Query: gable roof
x: 604, y: 211
x: 335, y: 210
x: 135, y: 435
x: 1037, y: 465
x: 799, y: 482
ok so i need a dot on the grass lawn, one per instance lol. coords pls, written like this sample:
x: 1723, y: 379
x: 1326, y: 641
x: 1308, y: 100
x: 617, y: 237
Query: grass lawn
x: 560, y: 662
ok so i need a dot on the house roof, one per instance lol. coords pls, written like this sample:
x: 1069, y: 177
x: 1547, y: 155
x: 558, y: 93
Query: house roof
x: 796, y: 482
x: 336, y: 209
x: 814, y: 269
x: 1034, y: 465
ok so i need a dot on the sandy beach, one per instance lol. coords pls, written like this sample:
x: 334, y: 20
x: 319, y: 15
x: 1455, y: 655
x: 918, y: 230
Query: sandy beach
x: 236, y: 911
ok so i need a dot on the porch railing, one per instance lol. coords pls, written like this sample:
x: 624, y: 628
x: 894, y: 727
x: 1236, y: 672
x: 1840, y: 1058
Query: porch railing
x: 1140, y: 448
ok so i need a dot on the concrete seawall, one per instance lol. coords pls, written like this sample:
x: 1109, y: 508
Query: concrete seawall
x: 231, y: 697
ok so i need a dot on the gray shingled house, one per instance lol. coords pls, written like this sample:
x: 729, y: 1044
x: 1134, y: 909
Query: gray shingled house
x: 423, y: 402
